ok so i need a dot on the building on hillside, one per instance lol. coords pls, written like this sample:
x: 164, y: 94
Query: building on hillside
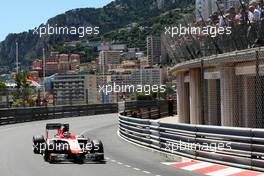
x: 67, y: 62
x: 112, y: 47
x: 56, y: 63
x: 149, y: 76
x: 107, y: 59
x: 206, y: 8
x: 231, y: 3
x: 135, y: 77
x: 88, y: 67
x: 154, y: 50
x: 75, y: 89
x: 161, y: 4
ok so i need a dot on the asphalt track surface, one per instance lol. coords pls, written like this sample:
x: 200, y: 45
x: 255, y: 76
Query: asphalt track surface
x: 122, y: 158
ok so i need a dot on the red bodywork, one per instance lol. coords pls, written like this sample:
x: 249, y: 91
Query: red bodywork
x: 60, y: 135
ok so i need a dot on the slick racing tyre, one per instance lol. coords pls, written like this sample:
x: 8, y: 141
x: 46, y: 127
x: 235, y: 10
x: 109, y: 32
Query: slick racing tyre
x: 48, y: 158
x: 38, y: 142
x: 98, y: 148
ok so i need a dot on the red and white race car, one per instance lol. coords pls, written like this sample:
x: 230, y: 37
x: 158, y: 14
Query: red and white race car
x: 64, y: 146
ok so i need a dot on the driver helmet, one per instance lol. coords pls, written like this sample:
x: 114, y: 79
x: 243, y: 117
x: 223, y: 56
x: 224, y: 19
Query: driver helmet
x: 66, y: 134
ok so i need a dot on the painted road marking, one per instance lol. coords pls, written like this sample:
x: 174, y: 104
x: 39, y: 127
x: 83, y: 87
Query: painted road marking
x: 197, y: 166
x: 128, y: 166
x: 212, y: 169
x: 224, y: 172
x: 146, y: 172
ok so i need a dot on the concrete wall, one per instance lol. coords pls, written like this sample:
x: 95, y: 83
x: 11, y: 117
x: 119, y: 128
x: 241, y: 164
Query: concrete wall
x: 226, y: 95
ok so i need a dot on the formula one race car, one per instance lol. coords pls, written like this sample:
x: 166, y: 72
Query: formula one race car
x: 64, y: 146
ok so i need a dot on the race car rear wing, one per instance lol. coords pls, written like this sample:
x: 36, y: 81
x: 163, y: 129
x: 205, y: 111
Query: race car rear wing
x: 57, y: 126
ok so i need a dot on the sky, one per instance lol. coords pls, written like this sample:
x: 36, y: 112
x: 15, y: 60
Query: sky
x: 21, y: 15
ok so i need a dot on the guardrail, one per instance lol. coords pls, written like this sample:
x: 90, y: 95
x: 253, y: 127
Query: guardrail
x: 146, y: 109
x: 239, y: 147
x: 18, y: 115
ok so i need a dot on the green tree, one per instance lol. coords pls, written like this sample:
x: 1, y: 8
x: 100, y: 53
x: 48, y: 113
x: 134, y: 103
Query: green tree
x: 3, y: 89
x: 2, y: 85
x: 23, y: 92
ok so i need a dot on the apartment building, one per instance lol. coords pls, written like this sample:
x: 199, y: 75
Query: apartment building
x: 231, y: 3
x: 154, y: 49
x: 205, y: 8
x: 107, y: 59
x: 56, y: 63
x: 208, y: 7
x: 148, y: 76
x: 75, y: 89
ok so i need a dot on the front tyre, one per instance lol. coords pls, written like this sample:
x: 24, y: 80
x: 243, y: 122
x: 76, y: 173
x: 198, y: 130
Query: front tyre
x: 48, y: 158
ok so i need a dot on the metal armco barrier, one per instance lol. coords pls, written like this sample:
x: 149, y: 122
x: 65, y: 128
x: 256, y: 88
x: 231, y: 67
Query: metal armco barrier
x: 146, y: 109
x: 18, y: 115
x: 239, y: 147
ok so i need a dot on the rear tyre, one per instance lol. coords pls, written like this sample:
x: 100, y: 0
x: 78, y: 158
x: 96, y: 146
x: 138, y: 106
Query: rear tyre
x: 79, y: 159
x: 38, y: 143
x: 100, y: 158
x: 46, y: 157
x: 98, y: 148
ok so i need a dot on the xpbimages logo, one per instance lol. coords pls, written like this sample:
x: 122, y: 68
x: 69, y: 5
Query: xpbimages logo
x: 81, y: 31
x: 145, y: 89
x: 212, y: 31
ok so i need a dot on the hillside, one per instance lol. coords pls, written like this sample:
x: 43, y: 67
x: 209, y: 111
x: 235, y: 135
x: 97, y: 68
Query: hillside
x: 117, y: 14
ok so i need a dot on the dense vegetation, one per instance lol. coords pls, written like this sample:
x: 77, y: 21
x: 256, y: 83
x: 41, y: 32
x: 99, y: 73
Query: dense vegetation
x: 112, y: 19
x: 2, y: 85
x: 23, y: 94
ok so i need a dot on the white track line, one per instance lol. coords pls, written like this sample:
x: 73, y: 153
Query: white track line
x: 128, y: 166
x: 170, y: 163
x: 197, y: 166
x: 147, y: 172
x: 225, y: 172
